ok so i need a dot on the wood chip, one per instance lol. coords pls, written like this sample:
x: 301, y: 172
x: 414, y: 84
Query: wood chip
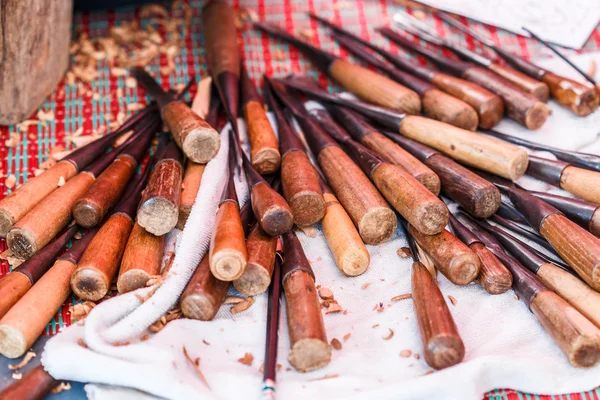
x: 417, y: 356
x: 375, y: 326
x: 196, y: 365
x: 404, y: 252
x: 307, y: 34
x: 452, y: 300
x: 309, y: 231
x: 405, y: 353
x: 328, y: 376
x: 11, y: 181
x: 28, y: 357
x: 82, y: 343
x: 13, y: 141
x: 325, y: 293
x: 402, y: 297
x: 61, y: 181
x: 346, y: 336
x: 61, y: 387
x: 365, y: 285
x: 45, y: 115
x: 242, y: 306
x: 334, y: 308
x: 17, y: 375
x: 81, y: 310
x: 247, y: 359
x: 336, y: 344
x: 233, y: 300
x: 389, y: 336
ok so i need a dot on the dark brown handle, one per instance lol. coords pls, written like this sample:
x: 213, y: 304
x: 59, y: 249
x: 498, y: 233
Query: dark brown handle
x: 204, y: 294
x: 220, y: 38
x: 443, y: 107
x: 271, y: 210
x: 34, y: 385
x: 524, y: 82
x: 442, y: 344
x: 579, y: 98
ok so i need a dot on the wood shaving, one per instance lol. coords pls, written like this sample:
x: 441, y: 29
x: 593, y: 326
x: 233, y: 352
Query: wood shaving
x: 247, y: 359
x: 346, y: 336
x: 82, y: 343
x: 38, y: 172
x: 61, y: 387
x: 131, y: 82
x: 375, y: 326
x: 6, y: 254
x: 405, y: 353
x: 591, y: 70
x: 389, y: 336
x: 154, y: 280
x: 243, y: 306
x: 196, y: 365
x: 309, y: 231
x: 233, y: 300
x: 336, y: 344
x: 28, y: 357
x: 404, y: 252
x: 10, y: 181
x: 81, y: 310
x: 45, y: 115
x: 13, y: 141
x: 307, y: 34
x: 61, y: 181
x: 417, y: 356
x: 325, y: 293
x: 365, y: 285
x: 452, y: 300
x: 402, y: 297
x: 17, y: 375
x: 328, y: 376
x: 334, y: 308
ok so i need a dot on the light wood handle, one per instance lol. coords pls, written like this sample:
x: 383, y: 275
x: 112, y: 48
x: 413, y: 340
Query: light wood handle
x: 578, y: 98
x: 22, y: 200
x: 34, y: 385
x: 576, y: 336
x: 581, y: 182
x: 443, y: 107
x: 204, y: 294
x: 494, y: 278
x: 375, y: 88
x: 489, y: 107
x: 350, y: 254
x: 264, y: 149
x: 261, y: 261
x: 526, y: 83
x: 424, y: 211
x: 189, y: 190
x: 271, y: 210
x: 228, y: 254
x: 12, y: 286
x: 442, y: 344
x: 452, y: 257
x: 485, y: 153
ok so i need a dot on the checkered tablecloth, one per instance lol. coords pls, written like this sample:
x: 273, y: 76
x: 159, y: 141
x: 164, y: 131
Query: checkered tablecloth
x: 75, y: 106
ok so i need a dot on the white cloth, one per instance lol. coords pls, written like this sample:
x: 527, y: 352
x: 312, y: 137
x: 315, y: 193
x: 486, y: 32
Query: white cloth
x: 505, y: 345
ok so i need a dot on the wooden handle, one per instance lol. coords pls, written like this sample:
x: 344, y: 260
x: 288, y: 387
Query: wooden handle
x: 375, y: 88
x: 301, y: 188
x: 578, y: 247
x: 485, y: 153
x: 22, y: 200
x: 220, y: 38
x: 581, y: 182
x: 264, y: 150
x: 478, y: 196
x: 524, y: 82
x: 443, y: 107
x: 204, y: 294
x: 494, y: 278
x: 158, y: 211
x: 595, y: 223
x: 576, y: 336
x: 375, y: 221
x: 47, y: 218
x: 350, y: 254
x: 141, y: 260
x: 271, y: 210
x: 489, y: 107
x: 395, y: 154
x: 452, y: 257
x: 573, y: 290
x: 93, y: 276
x: 189, y: 190
x: 13, y: 286
x: 27, y: 319
x: 261, y: 261
x: 34, y: 385
x: 228, y: 254
x: 91, y: 208
x: 578, y: 98
x: 442, y: 344
x: 520, y: 106
x: 423, y: 210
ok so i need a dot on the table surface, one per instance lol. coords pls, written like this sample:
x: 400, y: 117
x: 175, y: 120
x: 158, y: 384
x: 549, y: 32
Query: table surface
x: 86, y: 106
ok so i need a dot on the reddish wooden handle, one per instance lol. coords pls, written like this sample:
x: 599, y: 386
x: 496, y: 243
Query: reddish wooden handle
x: 261, y: 261
x: 524, y: 82
x: 579, y: 98
x: 443, y: 107
x: 493, y: 277
x: 301, y: 188
x: 34, y: 385
x: 228, y: 254
x: 204, y: 294
x: 220, y: 38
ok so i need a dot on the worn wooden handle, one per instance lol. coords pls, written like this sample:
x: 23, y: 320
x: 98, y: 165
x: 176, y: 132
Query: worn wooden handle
x: 142, y: 259
x: 485, y: 153
x: 228, y: 254
x: 494, y: 278
x: 442, y: 344
x: 594, y: 226
x: 375, y: 88
x: 301, y: 188
x: 261, y: 261
x: 443, y: 107
x: 93, y: 276
x: 22, y: 200
x: 204, y: 294
x: 24, y: 323
x: 578, y: 247
x: 576, y: 336
x: 47, y: 218
x: 520, y: 106
x: 220, y: 38
x: 573, y: 290
x: 478, y: 196
x: 421, y: 208
x: 34, y: 385
x: 308, y: 340
x: 489, y: 107
x: 524, y: 82
x: 579, y: 98
x: 190, y: 185
x: 452, y: 257
x: 90, y: 209
x: 395, y: 154
x: 264, y: 149
x: 375, y: 220
x: 271, y: 210
x: 13, y: 286
x: 581, y: 182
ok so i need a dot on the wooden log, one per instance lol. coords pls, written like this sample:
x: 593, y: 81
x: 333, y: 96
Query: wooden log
x: 34, y: 385
x: 190, y: 185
